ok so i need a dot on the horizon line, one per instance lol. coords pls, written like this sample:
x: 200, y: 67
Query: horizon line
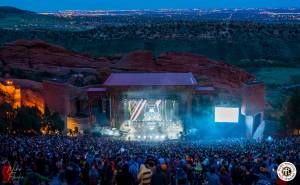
x: 152, y: 9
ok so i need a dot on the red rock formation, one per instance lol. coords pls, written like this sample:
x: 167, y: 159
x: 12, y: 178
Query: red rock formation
x: 38, y: 54
x: 30, y: 92
x: 136, y: 61
x: 207, y: 72
x: 42, y: 56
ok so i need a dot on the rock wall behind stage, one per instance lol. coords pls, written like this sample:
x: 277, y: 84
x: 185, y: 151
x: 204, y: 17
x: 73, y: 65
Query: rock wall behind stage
x: 39, y: 56
x: 226, y: 79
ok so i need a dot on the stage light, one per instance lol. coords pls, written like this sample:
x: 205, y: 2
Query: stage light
x: 227, y: 114
x: 162, y: 136
x: 156, y: 137
x: 270, y: 139
x: 150, y: 137
x: 145, y: 137
x: 139, y: 137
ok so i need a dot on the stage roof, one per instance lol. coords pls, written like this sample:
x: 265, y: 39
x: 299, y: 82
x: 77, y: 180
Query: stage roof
x: 97, y: 89
x: 150, y: 79
x: 205, y: 88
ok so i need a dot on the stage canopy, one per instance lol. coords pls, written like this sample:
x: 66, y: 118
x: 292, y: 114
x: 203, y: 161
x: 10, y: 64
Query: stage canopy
x: 150, y: 79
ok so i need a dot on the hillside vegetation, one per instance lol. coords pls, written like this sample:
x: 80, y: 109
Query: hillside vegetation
x: 244, y: 44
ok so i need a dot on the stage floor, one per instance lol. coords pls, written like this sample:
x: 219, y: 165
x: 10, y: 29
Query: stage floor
x: 151, y: 130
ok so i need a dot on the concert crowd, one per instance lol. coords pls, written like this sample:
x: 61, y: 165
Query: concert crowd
x: 86, y: 160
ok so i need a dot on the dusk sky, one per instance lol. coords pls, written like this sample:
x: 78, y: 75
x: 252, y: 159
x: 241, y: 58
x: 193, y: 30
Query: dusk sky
x: 53, y: 5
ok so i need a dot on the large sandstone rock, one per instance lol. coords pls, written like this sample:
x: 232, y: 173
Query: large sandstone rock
x: 40, y: 56
x: 207, y: 72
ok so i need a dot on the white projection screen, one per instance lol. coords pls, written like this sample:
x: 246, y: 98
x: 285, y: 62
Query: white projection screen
x: 227, y: 115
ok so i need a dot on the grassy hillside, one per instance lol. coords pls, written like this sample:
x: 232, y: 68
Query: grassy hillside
x: 278, y: 76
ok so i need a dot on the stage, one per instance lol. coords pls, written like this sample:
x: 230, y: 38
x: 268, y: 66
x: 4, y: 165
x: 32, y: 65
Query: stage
x: 151, y: 119
x: 164, y: 106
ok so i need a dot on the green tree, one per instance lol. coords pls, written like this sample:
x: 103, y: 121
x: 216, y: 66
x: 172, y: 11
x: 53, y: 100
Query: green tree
x: 53, y: 121
x: 57, y: 122
x: 7, y: 115
x: 27, y: 118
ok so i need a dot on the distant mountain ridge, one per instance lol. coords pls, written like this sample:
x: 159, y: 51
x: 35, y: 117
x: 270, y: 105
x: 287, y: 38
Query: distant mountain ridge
x: 13, y: 10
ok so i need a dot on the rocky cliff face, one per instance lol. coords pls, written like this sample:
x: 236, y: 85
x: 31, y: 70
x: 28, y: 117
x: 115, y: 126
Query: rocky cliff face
x: 37, y: 55
x: 207, y: 72
x: 40, y: 56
